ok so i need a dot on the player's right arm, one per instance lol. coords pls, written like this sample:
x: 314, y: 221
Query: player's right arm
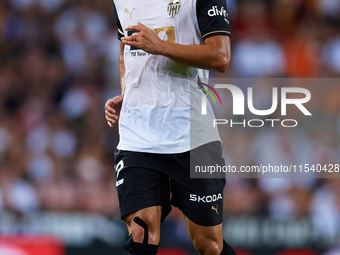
x: 114, y: 105
x: 214, y: 53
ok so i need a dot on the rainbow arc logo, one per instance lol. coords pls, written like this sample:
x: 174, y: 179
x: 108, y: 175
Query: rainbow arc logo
x: 201, y: 87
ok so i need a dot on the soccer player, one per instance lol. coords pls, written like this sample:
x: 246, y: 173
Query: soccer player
x: 166, y: 51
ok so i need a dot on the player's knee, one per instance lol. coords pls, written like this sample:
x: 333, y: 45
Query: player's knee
x: 138, y: 233
x: 154, y: 237
x: 142, y: 241
x: 207, y: 247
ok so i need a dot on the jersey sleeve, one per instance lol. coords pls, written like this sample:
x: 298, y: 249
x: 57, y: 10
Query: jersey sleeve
x: 120, y: 33
x: 212, y: 17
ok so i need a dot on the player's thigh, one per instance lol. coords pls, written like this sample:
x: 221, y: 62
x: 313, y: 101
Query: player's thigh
x: 206, y: 239
x: 152, y: 217
x: 200, y: 199
x: 140, y: 183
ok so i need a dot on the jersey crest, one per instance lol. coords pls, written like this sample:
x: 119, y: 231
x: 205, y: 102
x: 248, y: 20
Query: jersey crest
x: 173, y: 7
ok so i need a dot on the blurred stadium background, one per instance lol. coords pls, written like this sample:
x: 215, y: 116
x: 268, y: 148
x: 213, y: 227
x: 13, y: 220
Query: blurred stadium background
x: 59, y: 65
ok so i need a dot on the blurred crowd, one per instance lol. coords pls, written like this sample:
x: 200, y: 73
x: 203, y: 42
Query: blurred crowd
x: 59, y: 65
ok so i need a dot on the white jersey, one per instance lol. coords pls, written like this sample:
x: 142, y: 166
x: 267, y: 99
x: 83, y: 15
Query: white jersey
x: 161, y: 111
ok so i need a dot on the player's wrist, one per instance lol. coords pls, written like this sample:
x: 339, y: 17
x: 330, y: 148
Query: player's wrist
x: 164, y: 48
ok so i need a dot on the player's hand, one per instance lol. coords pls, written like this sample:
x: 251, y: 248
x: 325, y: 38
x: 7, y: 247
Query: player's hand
x: 112, y: 110
x: 144, y: 38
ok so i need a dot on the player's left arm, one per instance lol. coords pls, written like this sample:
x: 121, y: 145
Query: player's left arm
x: 214, y: 54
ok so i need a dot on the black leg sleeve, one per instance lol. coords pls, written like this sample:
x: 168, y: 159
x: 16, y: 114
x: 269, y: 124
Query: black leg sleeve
x: 227, y: 249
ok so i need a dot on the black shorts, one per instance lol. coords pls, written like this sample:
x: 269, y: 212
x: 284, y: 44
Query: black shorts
x: 149, y: 179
